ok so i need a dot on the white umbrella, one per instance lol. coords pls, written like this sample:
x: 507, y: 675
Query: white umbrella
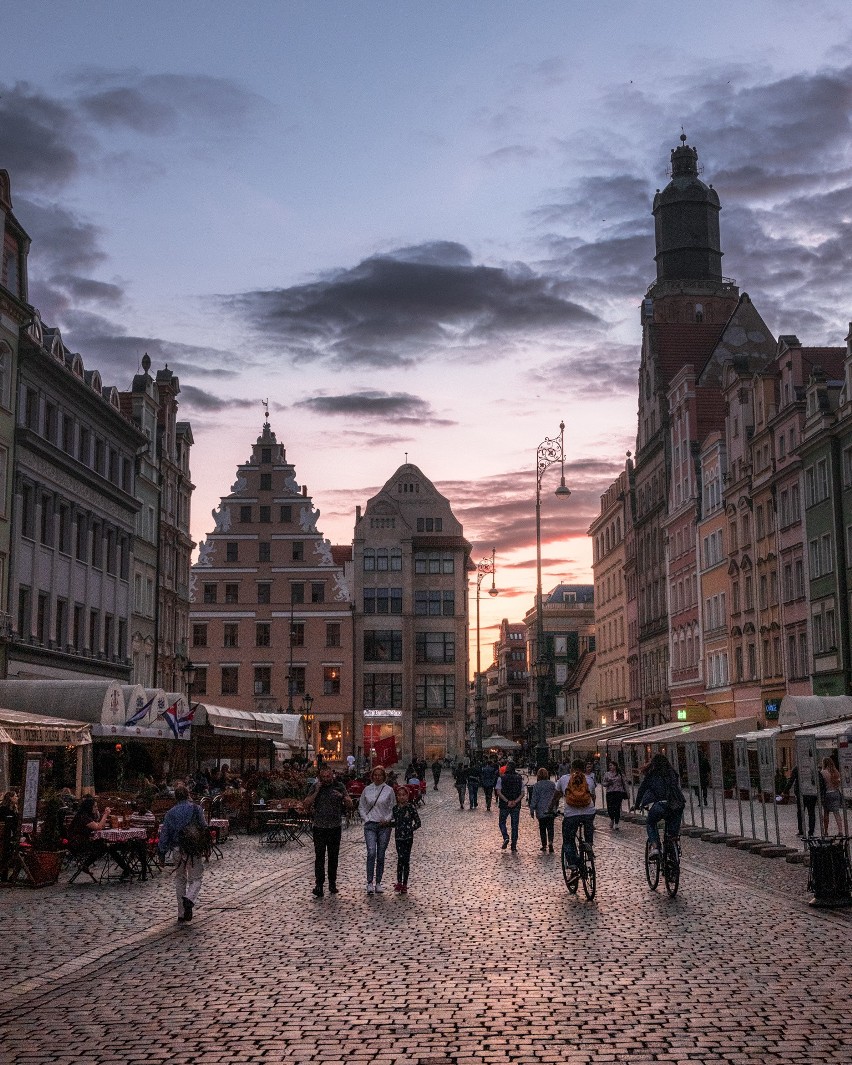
x: 501, y: 742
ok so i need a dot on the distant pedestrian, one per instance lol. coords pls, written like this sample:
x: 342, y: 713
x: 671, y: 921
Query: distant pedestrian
x: 376, y: 809
x: 541, y: 807
x: 616, y: 793
x: 460, y: 779
x: 488, y: 777
x: 509, y: 790
x: 326, y: 804
x: 704, y: 774
x: 184, y: 823
x: 473, y: 785
x: 9, y: 831
x: 809, y: 802
x: 832, y: 795
x: 437, y: 766
x: 406, y: 821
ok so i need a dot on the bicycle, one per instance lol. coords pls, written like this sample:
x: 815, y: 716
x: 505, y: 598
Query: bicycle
x: 666, y: 860
x: 585, y: 870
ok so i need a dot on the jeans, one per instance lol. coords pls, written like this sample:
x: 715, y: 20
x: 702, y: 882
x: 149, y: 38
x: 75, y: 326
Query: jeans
x: 614, y: 800
x: 189, y: 872
x: 403, y: 860
x: 326, y: 841
x: 662, y: 811
x: 377, y: 838
x: 436, y: 776
x: 514, y: 815
x: 569, y: 834
x: 488, y: 792
x: 545, y: 830
x: 460, y: 788
x: 472, y: 793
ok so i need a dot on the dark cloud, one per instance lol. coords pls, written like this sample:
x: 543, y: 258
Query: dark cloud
x: 128, y: 107
x: 396, y: 407
x: 204, y: 402
x: 41, y: 138
x: 402, y: 307
x: 607, y: 369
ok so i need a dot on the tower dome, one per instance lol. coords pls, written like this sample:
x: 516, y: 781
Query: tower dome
x: 686, y: 217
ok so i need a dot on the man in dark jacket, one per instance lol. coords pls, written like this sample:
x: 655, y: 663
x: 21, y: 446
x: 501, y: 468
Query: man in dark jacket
x: 488, y: 778
x: 660, y: 790
x: 326, y: 804
x: 510, y: 791
x: 460, y: 778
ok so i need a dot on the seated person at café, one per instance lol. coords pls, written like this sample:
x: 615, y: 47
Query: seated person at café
x: 81, y: 836
x: 9, y: 827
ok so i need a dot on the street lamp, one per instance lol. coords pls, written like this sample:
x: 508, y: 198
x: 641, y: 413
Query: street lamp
x: 483, y: 569
x: 189, y: 671
x: 308, y: 717
x: 549, y: 451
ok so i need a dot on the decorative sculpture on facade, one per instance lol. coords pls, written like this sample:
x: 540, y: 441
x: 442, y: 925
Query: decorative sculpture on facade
x: 205, y: 553
x: 222, y: 518
x: 308, y: 518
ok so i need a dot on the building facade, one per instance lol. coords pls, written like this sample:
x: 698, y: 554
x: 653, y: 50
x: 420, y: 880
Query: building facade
x: 609, y: 558
x: 271, y: 617
x: 410, y: 572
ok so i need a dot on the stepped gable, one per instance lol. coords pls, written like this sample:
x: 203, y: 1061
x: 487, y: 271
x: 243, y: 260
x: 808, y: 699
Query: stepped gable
x: 746, y: 338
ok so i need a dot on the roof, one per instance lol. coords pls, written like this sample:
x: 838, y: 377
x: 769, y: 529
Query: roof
x: 676, y: 344
x: 830, y: 360
x: 581, y: 671
x: 341, y: 553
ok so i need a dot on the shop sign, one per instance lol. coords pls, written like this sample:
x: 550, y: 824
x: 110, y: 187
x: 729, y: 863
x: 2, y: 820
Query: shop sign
x: 382, y: 713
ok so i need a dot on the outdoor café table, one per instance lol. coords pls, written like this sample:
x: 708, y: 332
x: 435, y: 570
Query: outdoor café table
x: 131, y: 844
x: 220, y: 825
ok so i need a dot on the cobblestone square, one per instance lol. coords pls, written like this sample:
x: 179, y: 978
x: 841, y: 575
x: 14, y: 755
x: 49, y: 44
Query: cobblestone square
x: 487, y: 959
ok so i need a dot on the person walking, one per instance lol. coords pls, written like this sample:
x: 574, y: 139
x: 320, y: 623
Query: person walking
x: 509, y: 790
x: 541, y: 807
x: 437, y: 766
x: 616, y: 793
x: 488, y: 777
x: 9, y: 832
x: 832, y: 795
x: 473, y: 785
x: 460, y: 778
x: 704, y: 774
x: 809, y: 802
x: 579, y: 809
x: 406, y: 821
x: 326, y: 804
x: 184, y: 830
x: 376, y: 809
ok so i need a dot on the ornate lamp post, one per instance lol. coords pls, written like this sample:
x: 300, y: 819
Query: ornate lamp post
x: 549, y: 451
x: 308, y: 718
x: 483, y: 569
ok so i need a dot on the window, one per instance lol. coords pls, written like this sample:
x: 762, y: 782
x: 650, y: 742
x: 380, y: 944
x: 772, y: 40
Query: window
x: 433, y: 562
x: 262, y: 680
x: 199, y: 632
x: 47, y: 520
x: 435, y: 647
x: 332, y: 634
x: 94, y: 632
x: 245, y: 515
x: 265, y: 515
x: 297, y: 680
x: 60, y: 622
x: 297, y: 634
x: 210, y: 593
x: 231, y: 634
x: 97, y: 545
x: 331, y: 680
x: 263, y: 553
x: 382, y: 645
x: 109, y: 628
x: 264, y: 593
x: 230, y: 680
x: 435, y: 603
x: 266, y: 455
x: 263, y: 634
x: 383, y: 600
x: 382, y: 690
x: 297, y: 592
x: 285, y: 514
x: 266, y: 482
x: 430, y: 524
x: 382, y: 559
x: 199, y: 683
x: 436, y: 692
x: 64, y: 530
x: 232, y: 551
x: 318, y: 592
x: 298, y: 554
x: 232, y: 593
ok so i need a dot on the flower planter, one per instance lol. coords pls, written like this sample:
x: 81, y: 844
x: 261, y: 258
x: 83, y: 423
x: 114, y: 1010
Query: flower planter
x: 42, y: 867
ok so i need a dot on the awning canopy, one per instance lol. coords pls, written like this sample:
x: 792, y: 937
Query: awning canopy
x: 245, y: 724
x: 100, y: 701
x: 806, y: 709
x: 828, y: 736
x: 726, y: 729
x: 589, y: 740
x: 502, y: 743
x: 25, y: 729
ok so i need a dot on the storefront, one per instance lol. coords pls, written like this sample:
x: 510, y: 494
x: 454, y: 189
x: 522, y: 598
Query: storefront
x: 66, y: 746
x: 244, y: 740
x: 380, y: 728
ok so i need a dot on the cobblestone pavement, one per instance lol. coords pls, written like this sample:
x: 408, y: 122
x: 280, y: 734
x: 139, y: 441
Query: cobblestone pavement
x: 487, y: 959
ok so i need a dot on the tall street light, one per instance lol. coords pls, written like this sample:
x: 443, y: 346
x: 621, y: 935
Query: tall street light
x: 549, y: 451
x: 483, y: 569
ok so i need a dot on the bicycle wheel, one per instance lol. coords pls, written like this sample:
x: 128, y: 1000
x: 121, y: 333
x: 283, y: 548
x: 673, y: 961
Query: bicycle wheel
x: 652, y: 866
x: 569, y: 874
x: 589, y: 874
x: 671, y: 868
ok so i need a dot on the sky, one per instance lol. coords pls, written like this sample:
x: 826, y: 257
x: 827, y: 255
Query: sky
x: 417, y: 229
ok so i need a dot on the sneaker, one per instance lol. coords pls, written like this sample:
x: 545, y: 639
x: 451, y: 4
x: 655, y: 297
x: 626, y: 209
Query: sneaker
x: 380, y: 888
x: 403, y: 889
x: 187, y: 909
x: 514, y: 848
x: 551, y: 848
x: 654, y: 852
x: 370, y: 889
x: 317, y: 892
x: 332, y: 889
x: 505, y: 844
x: 397, y: 887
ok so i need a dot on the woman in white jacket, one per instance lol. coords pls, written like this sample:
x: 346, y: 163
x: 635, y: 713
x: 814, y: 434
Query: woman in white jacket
x: 376, y: 809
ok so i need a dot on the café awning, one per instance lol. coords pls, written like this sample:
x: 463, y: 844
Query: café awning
x: 808, y: 709
x: 25, y: 729
x: 245, y: 724
x: 501, y: 743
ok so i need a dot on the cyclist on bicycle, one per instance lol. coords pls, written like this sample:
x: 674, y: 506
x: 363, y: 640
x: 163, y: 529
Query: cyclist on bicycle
x: 579, y: 809
x: 660, y: 790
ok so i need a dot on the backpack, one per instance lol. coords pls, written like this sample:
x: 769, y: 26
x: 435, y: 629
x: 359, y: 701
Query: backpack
x: 577, y: 792
x: 194, y: 839
x: 674, y: 795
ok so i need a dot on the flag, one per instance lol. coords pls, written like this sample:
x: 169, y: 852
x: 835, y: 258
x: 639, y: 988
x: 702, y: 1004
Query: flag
x: 385, y: 752
x: 141, y: 712
x: 171, y: 718
x: 184, y: 722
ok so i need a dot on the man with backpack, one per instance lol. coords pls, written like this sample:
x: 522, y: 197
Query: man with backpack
x: 184, y: 831
x: 510, y: 791
x: 488, y: 777
x: 579, y: 809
